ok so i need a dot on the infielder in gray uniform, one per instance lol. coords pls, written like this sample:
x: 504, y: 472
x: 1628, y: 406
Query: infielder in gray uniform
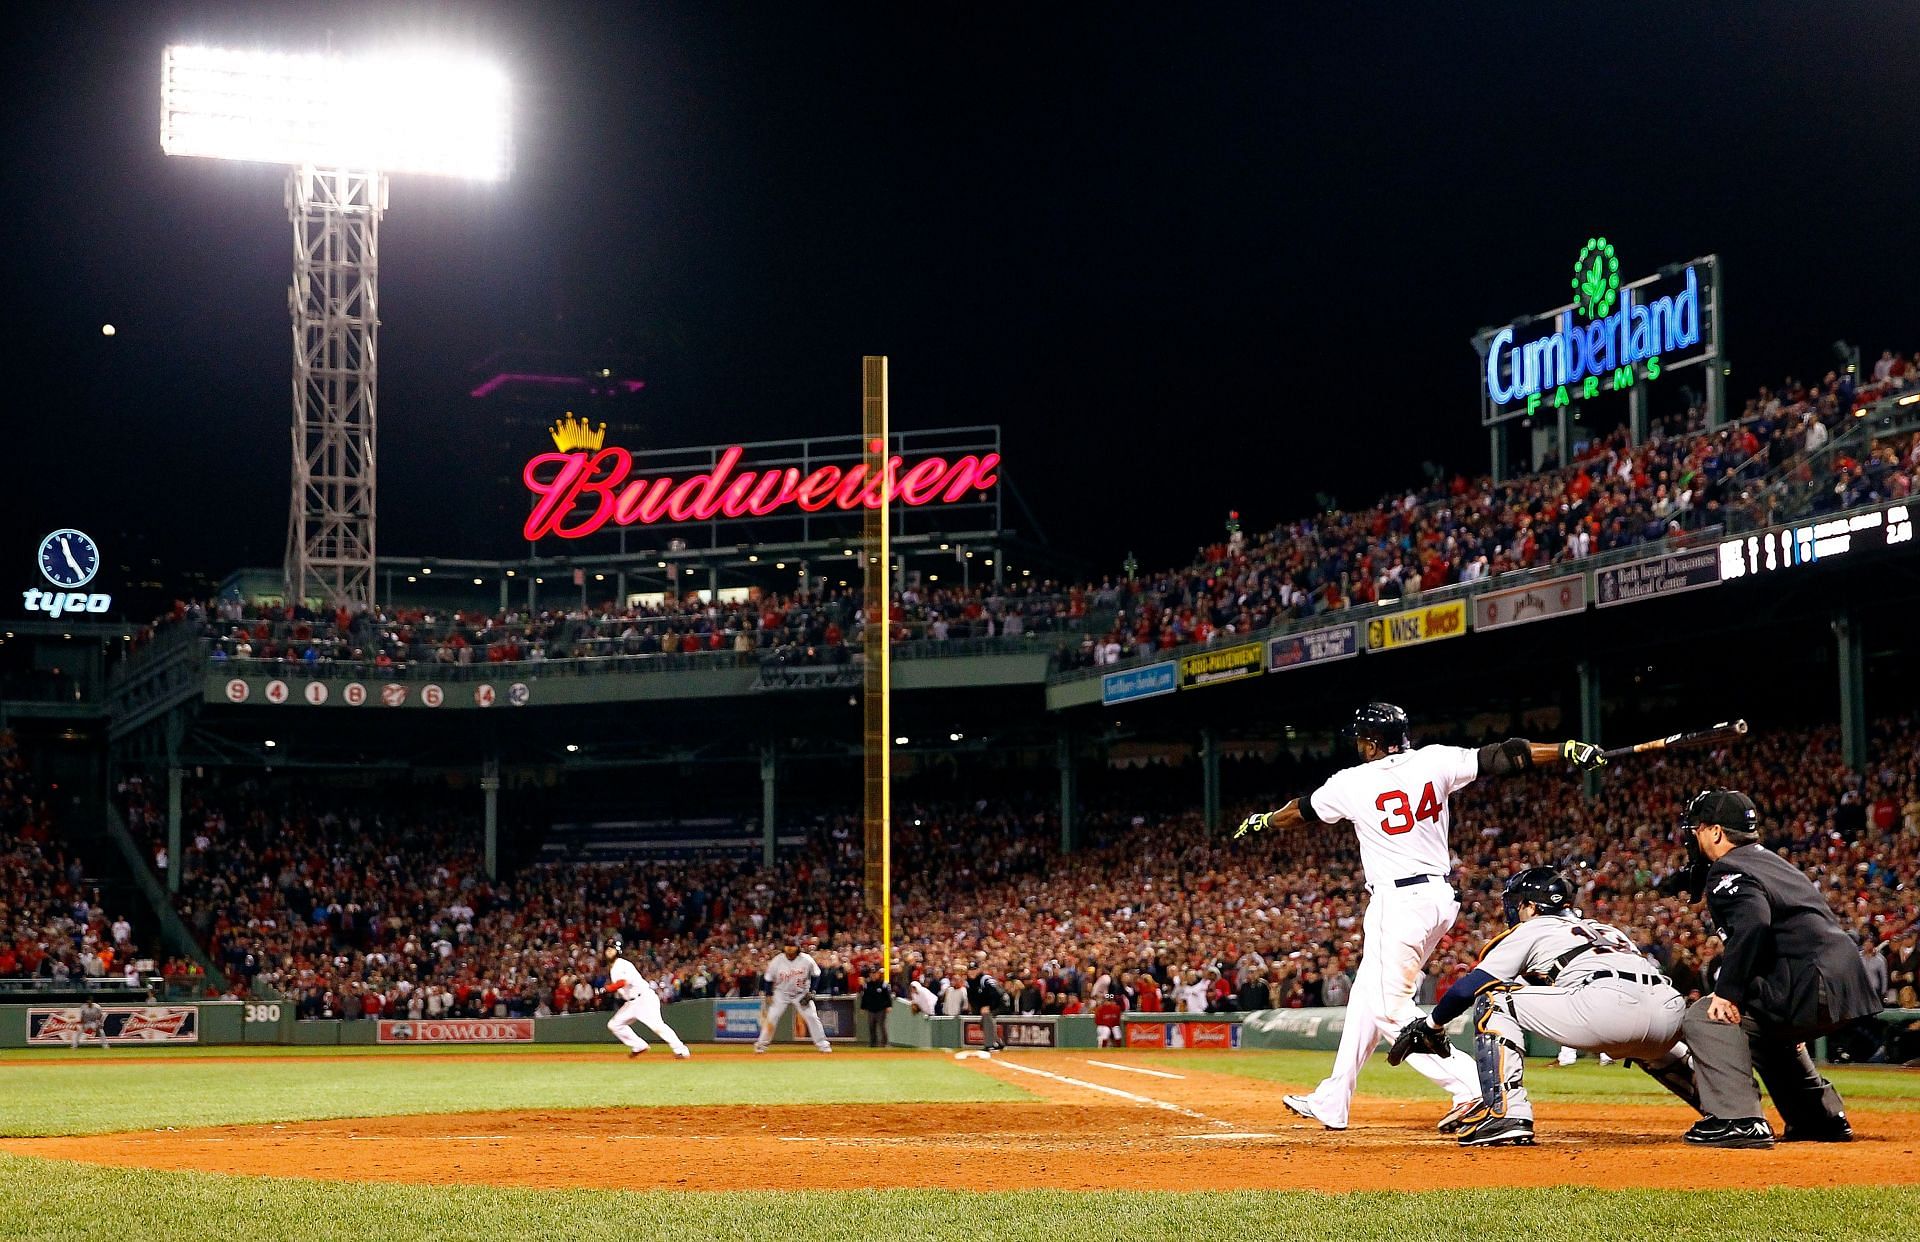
x: 1599, y: 994
x: 789, y: 977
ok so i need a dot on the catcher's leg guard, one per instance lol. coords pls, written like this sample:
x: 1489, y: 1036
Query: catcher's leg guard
x: 1499, y: 1053
x: 1674, y: 1071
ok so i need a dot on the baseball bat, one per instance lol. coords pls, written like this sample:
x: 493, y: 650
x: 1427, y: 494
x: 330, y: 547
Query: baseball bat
x: 1723, y: 732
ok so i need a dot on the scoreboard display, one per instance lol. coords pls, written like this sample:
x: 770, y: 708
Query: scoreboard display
x: 1788, y: 547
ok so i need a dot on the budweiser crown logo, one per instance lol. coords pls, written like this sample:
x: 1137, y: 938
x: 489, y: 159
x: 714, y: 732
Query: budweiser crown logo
x: 572, y: 434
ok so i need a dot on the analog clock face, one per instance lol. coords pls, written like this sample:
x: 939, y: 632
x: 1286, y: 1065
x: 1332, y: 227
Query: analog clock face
x: 69, y: 558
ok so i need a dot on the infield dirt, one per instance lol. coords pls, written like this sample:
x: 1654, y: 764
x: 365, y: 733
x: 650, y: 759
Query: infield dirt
x: 1194, y: 1131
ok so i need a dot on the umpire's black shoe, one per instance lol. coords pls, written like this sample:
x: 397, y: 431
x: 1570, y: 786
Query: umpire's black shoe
x: 1839, y: 1130
x: 1499, y: 1132
x: 1734, y: 1132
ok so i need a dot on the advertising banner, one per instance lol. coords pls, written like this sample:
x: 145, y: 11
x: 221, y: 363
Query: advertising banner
x: 1555, y: 597
x: 456, y: 1031
x: 1138, y: 683
x: 736, y: 1021
x: 1225, y: 664
x: 836, y: 1014
x: 1014, y: 1032
x: 1339, y: 642
x: 1672, y: 574
x: 1416, y: 626
x: 124, y: 1024
x: 1211, y: 1035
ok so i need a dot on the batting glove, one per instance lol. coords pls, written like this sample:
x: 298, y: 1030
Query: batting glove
x: 1256, y: 822
x: 1583, y: 755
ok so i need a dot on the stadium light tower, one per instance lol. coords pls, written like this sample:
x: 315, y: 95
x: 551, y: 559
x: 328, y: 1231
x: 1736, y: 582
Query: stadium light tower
x: 341, y: 125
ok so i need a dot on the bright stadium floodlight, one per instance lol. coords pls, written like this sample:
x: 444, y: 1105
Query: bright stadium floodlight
x: 342, y: 125
x: 407, y: 113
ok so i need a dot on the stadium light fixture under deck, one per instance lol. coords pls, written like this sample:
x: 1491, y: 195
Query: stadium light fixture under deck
x: 341, y: 124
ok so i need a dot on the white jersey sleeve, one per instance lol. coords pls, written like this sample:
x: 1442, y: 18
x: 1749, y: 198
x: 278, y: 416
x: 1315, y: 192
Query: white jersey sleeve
x: 1397, y: 805
x: 626, y: 979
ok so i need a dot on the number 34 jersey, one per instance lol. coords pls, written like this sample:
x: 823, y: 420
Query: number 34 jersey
x: 1398, y: 808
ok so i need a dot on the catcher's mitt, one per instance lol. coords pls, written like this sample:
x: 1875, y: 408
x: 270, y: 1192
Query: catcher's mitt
x: 1418, y: 1035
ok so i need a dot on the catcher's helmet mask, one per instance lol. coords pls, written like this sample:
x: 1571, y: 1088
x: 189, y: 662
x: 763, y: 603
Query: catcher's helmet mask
x: 1383, y: 724
x: 1546, y: 889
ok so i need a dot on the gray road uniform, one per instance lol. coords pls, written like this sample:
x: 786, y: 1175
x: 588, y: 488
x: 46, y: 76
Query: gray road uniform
x: 1599, y: 994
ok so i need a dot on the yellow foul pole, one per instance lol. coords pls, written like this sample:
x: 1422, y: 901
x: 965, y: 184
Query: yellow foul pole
x: 879, y: 652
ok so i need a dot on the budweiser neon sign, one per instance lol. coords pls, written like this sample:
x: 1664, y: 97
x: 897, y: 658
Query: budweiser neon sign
x: 578, y: 493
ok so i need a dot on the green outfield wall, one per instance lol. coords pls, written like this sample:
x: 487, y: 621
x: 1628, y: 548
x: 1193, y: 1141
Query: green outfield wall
x: 701, y: 1022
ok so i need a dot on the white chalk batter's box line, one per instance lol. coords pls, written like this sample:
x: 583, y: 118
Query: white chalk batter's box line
x: 1143, y: 1100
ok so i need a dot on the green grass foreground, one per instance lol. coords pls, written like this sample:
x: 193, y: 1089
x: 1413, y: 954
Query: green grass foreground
x: 41, y: 1199
x: 88, y: 1093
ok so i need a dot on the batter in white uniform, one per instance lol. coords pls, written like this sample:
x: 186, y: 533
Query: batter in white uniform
x: 790, y: 975
x: 640, y: 1004
x: 1396, y: 800
x: 1597, y: 993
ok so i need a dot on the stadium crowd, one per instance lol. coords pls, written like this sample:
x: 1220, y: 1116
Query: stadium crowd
x: 1794, y: 450
x: 360, y: 912
x: 53, y: 924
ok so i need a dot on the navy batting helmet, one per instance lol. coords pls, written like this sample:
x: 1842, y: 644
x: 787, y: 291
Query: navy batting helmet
x: 1546, y: 888
x: 1383, y: 724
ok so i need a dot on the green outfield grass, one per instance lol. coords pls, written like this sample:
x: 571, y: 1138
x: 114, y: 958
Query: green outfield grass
x: 43, y: 1199
x: 1584, y: 1082
x: 88, y: 1093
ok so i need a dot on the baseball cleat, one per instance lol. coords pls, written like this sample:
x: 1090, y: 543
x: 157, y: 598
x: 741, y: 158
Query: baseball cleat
x: 1303, y: 1104
x: 682, y: 1055
x: 1731, y: 1132
x: 1465, y: 1113
x: 1499, y: 1132
x: 1840, y: 1131
x: 634, y: 1053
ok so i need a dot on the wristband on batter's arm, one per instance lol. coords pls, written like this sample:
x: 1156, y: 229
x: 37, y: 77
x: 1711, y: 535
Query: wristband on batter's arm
x: 1517, y: 755
x: 1295, y: 813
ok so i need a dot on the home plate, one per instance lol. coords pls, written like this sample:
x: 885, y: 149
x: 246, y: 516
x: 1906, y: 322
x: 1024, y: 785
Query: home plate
x: 1219, y: 1138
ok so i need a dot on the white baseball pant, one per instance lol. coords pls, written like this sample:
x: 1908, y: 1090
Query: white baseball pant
x: 1403, y: 926
x: 644, y: 1009
x: 777, y: 1006
x: 1617, y: 1017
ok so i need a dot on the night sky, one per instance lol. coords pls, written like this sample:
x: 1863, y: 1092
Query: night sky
x: 1192, y: 258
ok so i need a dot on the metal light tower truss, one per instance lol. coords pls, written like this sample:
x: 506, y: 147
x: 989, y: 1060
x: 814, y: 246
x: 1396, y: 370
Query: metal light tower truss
x: 335, y: 305
x: 409, y: 110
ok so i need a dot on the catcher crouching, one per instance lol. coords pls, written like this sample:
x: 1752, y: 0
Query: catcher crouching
x: 1580, y: 983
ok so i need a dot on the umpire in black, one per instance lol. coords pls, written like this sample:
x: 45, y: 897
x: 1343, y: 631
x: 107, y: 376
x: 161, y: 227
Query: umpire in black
x: 1789, y: 973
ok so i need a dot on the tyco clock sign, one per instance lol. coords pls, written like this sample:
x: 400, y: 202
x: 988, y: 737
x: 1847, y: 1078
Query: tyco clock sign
x: 68, y: 559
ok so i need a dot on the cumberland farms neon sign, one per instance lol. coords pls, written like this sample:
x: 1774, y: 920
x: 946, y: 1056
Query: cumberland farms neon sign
x: 1621, y: 340
x: 579, y: 492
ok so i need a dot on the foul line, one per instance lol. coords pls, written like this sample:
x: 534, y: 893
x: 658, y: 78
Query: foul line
x: 1135, y: 1069
x: 1125, y: 1095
